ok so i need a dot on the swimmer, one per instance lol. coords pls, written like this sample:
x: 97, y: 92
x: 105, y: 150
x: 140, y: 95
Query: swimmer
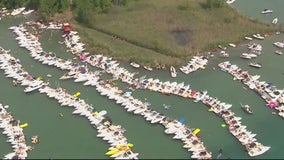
x: 219, y: 153
x: 167, y: 107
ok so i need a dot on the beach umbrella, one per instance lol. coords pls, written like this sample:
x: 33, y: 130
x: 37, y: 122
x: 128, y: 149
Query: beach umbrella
x: 182, y: 120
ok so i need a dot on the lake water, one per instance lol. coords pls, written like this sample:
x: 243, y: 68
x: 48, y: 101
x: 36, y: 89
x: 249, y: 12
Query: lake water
x: 73, y: 137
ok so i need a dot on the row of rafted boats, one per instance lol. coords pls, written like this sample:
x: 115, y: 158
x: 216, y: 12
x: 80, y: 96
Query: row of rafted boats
x: 273, y: 96
x: 188, y: 93
x: 80, y: 73
x: 113, y: 134
x: 12, y: 129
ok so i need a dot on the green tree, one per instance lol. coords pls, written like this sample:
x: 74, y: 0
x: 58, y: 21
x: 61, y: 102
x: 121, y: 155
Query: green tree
x: 63, y: 5
x: 12, y: 4
x: 34, y: 4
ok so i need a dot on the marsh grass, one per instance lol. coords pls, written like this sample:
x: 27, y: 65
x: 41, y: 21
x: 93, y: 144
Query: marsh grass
x: 145, y: 30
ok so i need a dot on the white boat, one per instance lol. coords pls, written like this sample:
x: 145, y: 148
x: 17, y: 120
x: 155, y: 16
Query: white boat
x: 266, y: 11
x: 279, y: 44
x: 255, y: 64
x: 247, y: 108
x: 17, y: 11
x: 274, y: 21
x: 248, y: 38
x: 224, y: 54
x: 258, y: 36
x: 10, y: 155
x: 232, y: 45
x: 135, y: 65
x: 278, y: 52
x: 148, y: 68
x: 173, y: 71
x: 230, y: 1
x: 27, y: 12
x: 245, y: 56
x: 255, y: 149
x: 222, y: 47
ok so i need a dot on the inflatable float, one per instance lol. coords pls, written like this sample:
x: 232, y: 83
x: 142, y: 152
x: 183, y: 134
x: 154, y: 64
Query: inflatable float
x: 112, y: 152
x: 196, y: 131
x: 118, y: 149
x: 35, y: 139
x: 77, y: 94
x: 39, y: 78
x: 24, y: 125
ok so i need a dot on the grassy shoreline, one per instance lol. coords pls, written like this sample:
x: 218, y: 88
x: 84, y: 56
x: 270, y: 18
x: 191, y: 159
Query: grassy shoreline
x: 147, y: 32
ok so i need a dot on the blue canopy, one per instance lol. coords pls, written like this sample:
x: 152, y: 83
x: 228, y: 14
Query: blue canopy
x: 182, y: 120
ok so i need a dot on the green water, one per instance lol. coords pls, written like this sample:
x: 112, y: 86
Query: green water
x: 73, y: 137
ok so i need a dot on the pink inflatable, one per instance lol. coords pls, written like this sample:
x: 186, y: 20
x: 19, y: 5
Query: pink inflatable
x: 272, y: 104
x: 82, y: 57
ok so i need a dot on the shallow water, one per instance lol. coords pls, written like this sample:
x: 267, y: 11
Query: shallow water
x: 73, y: 137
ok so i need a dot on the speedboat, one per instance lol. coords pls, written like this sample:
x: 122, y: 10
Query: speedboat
x: 230, y: 1
x: 135, y: 65
x: 25, y: 12
x: 232, y: 44
x: 224, y: 54
x: 148, y: 68
x: 258, y: 36
x: 173, y: 71
x: 279, y: 44
x: 247, y: 108
x: 256, y: 148
x: 255, y: 64
x: 278, y: 52
x: 245, y: 56
x: 274, y: 21
x: 17, y: 11
x: 248, y: 38
x: 266, y: 11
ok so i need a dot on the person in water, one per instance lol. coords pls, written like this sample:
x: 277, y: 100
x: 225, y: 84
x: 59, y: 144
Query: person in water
x: 219, y: 153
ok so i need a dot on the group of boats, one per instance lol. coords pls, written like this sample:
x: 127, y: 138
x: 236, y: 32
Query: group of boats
x: 138, y: 107
x: 152, y: 116
x: 17, y: 11
x: 194, y: 64
x: 273, y: 96
x: 12, y: 129
x: 114, y: 135
x: 269, y: 11
x: 279, y: 45
x: 254, y: 50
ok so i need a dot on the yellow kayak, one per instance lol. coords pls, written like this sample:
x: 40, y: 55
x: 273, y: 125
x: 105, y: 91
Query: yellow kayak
x: 112, y: 152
